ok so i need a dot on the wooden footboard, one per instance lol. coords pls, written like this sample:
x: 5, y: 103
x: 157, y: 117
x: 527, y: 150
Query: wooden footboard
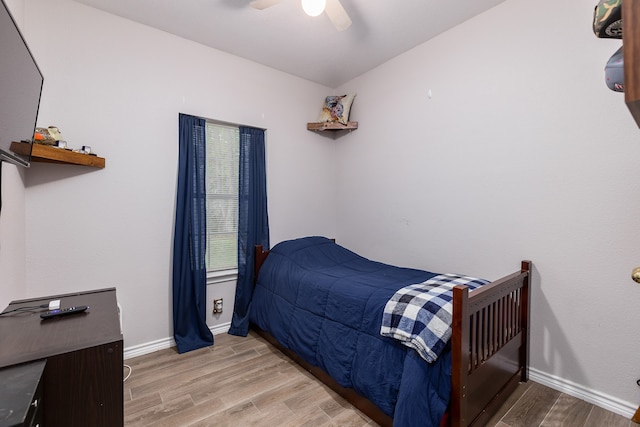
x: 490, y: 348
x: 260, y: 256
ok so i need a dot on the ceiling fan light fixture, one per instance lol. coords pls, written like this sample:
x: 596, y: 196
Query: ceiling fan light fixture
x: 313, y: 7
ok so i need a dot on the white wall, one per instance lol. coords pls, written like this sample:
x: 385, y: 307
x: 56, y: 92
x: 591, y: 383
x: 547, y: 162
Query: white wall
x: 12, y: 235
x: 521, y: 153
x: 118, y: 86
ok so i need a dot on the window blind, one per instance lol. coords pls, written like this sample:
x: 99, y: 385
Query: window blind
x: 222, y: 196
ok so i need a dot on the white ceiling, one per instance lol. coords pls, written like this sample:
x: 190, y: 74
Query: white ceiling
x: 285, y: 38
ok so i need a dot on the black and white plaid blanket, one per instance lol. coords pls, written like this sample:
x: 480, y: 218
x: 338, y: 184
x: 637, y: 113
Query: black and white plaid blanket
x: 420, y: 315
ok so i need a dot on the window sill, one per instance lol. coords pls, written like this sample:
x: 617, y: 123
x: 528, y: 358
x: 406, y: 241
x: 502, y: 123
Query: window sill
x: 214, y: 277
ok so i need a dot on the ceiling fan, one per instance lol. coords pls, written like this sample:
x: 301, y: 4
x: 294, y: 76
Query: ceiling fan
x: 333, y: 8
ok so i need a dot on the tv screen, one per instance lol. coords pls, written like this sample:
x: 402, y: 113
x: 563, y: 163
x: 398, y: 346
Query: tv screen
x: 20, y: 89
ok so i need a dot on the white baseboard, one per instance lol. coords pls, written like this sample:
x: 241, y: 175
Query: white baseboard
x: 161, y: 344
x: 626, y: 409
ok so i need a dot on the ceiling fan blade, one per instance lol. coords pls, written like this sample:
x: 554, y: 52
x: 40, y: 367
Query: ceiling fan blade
x: 263, y: 4
x: 338, y: 15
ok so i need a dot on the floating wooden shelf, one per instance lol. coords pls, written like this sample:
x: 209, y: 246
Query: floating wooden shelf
x: 50, y: 154
x: 331, y: 126
x: 631, y: 54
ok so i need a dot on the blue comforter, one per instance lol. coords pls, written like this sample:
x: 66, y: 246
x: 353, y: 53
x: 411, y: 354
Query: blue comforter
x: 326, y: 303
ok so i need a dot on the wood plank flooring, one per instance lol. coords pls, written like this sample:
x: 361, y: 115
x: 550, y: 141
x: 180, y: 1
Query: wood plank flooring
x: 247, y: 382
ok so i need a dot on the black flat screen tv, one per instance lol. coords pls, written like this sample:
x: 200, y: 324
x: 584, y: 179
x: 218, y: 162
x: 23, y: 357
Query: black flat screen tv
x: 20, y: 90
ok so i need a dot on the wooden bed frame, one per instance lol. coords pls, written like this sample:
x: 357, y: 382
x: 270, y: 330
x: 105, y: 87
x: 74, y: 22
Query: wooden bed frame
x: 490, y: 349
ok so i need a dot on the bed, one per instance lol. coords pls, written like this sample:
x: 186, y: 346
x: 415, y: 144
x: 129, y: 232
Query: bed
x: 324, y: 306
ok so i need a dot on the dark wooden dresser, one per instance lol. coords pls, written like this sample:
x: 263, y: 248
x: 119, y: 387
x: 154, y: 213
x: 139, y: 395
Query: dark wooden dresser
x: 82, y: 378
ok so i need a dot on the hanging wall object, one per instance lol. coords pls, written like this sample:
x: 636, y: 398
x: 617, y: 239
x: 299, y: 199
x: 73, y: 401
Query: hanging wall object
x: 614, y: 72
x: 607, y: 19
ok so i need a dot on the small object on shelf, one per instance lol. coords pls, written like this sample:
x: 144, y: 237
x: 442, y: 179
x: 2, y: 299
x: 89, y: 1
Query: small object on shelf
x: 47, y: 136
x: 336, y: 108
x: 55, y: 133
x: 607, y: 19
x: 614, y: 72
x: 43, y: 136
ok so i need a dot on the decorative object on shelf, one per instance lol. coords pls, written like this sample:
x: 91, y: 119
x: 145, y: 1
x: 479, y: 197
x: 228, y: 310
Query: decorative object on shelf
x: 607, y: 19
x: 607, y: 24
x: 55, y: 133
x: 49, y: 136
x: 336, y: 108
x: 614, y: 72
x: 43, y: 136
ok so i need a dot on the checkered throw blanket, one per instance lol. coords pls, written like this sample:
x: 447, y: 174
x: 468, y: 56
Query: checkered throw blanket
x: 420, y: 315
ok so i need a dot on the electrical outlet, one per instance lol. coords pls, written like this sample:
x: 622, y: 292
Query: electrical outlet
x: 217, y: 306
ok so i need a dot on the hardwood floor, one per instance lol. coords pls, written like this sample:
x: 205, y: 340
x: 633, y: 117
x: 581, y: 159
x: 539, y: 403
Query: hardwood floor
x: 247, y: 382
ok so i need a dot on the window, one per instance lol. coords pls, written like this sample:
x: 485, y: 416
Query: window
x: 223, y: 142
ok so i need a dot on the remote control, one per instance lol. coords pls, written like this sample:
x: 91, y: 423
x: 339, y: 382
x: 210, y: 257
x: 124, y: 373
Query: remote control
x: 63, y: 311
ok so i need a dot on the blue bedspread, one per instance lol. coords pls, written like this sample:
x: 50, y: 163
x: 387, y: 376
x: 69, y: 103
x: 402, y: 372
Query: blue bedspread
x: 326, y: 303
